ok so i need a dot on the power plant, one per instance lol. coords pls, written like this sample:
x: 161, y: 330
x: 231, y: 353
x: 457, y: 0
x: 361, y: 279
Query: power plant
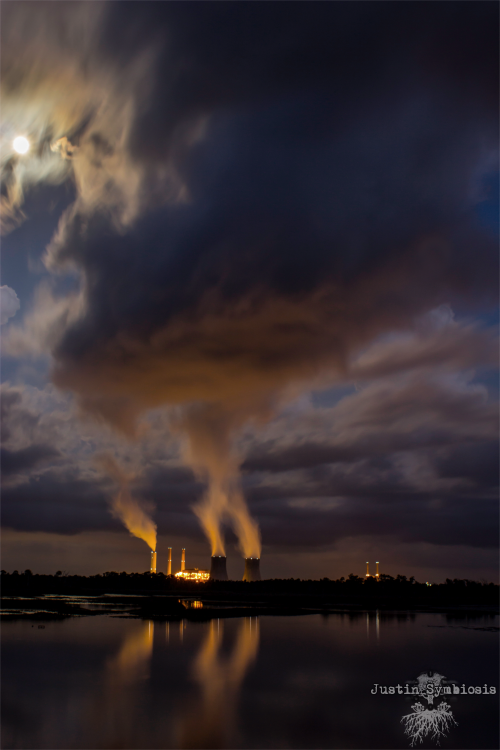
x: 218, y: 570
x: 169, y: 563
x: 252, y: 569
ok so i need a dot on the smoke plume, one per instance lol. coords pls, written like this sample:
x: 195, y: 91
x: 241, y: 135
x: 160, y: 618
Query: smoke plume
x: 210, y: 452
x: 124, y: 507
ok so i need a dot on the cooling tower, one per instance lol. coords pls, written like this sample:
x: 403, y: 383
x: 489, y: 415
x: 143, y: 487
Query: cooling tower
x: 169, y: 563
x: 252, y: 569
x: 218, y: 570
x: 153, y: 562
x: 183, y: 559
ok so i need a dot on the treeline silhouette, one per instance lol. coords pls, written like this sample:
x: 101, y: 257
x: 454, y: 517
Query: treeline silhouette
x: 387, y: 590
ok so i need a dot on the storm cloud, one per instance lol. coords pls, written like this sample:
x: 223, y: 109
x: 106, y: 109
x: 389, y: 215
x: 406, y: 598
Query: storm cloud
x: 299, y: 236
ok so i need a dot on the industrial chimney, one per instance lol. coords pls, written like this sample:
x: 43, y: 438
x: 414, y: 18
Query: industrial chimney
x: 376, y: 574
x: 252, y: 569
x: 169, y: 563
x: 218, y: 570
x: 367, y: 570
x: 183, y: 559
x: 153, y: 562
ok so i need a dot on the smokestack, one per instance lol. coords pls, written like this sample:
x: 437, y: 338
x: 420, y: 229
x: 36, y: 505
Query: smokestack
x: 183, y: 559
x: 218, y: 570
x: 252, y: 569
x: 368, y: 570
x: 169, y: 563
x: 153, y: 562
x: 376, y: 574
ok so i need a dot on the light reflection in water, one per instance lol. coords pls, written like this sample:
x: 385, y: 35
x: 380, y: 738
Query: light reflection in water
x: 133, y: 659
x: 99, y: 682
x: 369, y: 616
x: 209, y: 721
x: 112, y: 714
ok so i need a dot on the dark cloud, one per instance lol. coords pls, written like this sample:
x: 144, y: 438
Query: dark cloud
x: 8, y: 400
x: 404, y: 517
x: 326, y: 157
x: 477, y: 464
x: 54, y: 503
x: 14, y: 462
x: 421, y: 409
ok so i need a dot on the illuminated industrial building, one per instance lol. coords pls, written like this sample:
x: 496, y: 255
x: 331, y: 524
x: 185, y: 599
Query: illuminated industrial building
x: 169, y: 563
x: 153, y: 562
x: 193, y: 574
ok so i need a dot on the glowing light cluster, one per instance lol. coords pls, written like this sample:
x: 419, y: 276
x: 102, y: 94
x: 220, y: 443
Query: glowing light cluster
x: 191, y: 604
x: 193, y: 574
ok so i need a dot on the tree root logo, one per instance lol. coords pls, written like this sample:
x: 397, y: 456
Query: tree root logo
x: 434, y: 721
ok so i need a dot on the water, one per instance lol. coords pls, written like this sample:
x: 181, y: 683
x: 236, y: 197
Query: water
x: 268, y: 682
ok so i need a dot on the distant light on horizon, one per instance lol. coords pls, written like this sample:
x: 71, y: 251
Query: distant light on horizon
x: 21, y: 144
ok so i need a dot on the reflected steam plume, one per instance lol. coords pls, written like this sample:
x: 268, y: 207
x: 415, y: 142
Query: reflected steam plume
x: 132, y: 662
x: 209, y: 722
x: 114, y: 713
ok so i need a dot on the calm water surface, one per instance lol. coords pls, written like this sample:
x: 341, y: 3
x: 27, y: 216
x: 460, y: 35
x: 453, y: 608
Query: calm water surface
x: 269, y: 682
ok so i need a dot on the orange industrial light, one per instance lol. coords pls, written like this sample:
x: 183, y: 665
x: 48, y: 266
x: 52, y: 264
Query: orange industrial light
x: 193, y: 574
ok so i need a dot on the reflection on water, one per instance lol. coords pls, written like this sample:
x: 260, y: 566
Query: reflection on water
x: 373, y: 618
x: 295, y: 682
x: 132, y: 661
x: 209, y: 721
x: 191, y: 603
x: 114, y: 711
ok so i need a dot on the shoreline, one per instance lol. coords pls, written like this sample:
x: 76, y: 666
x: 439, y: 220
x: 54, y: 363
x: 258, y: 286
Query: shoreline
x: 175, y: 607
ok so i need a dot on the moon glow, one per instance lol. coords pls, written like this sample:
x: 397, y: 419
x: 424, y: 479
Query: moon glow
x: 21, y: 144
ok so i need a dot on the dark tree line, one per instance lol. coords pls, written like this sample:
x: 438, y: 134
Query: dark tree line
x: 387, y: 589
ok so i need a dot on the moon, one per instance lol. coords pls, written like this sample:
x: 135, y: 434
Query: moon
x: 21, y: 144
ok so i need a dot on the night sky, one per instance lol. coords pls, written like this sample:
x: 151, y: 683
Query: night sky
x: 250, y: 261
